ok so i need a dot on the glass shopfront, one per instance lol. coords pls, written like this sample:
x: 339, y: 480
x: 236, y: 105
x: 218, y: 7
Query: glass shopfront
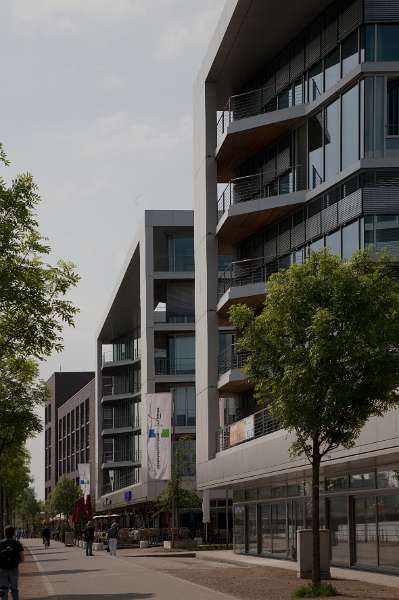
x: 360, y: 510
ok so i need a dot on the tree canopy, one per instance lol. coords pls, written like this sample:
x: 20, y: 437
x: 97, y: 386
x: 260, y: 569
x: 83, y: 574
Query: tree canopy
x: 64, y: 496
x: 324, y: 351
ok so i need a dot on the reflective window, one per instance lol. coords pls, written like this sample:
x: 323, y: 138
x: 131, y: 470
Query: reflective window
x: 239, y: 528
x: 350, y: 239
x: 315, y: 82
x: 298, y: 91
x: 350, y: 54
x: 181, y: 254
x: 365, y: 531
x: 388, y: 530
x: 363, y: 480
x: 387, y: 42
x: 252, y: 529
x: 388, y: 478
x: 331, y: 140
x: 393, y: 106
x: 339, y: 529
x: 331, y: 69
x: 350, y: 127
x: 368, y: 43
x: 182, y: 354
x: 333, y: 243
x: 315, y: 148
x: 317, y: 245
x: 184, y: 400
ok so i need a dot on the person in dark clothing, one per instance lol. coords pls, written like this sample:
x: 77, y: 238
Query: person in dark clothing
x: 113, y: 537
x: 88, y: 536
x: 11, y: 555
x: 46, y: 534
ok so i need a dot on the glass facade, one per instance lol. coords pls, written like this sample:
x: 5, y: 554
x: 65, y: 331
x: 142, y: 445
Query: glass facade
x: 361, y: 511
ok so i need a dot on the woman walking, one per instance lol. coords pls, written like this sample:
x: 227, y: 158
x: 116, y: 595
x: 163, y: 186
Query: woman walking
x: 113, y: 537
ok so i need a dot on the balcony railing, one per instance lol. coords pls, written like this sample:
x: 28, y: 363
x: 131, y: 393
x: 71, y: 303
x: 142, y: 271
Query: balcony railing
x: 231, y: 358
x: 119, y: 419
x: 258, y: 186
x: 113, y: 386
x: 257, y: 425
x: 255, y: 102
x: 122, y: 455
x: 245, y: 272
x: 110, y: 356
x: 163, y: 316
x: 177, y: 366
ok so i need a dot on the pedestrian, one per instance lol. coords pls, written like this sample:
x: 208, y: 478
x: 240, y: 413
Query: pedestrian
x: 88, y: 536
x: 11, y: 554
x: 46, y: 534
x: 113, y: 537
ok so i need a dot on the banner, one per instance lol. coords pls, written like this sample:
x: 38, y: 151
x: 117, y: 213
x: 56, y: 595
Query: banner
x: 159, y: 444
x: 242, y: 430
x: 206, y: 511
x: 84, y: 478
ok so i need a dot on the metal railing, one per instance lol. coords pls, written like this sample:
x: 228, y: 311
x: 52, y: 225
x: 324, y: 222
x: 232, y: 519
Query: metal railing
x: 245, y: 272
x: 177, y: 366
x: 258, y: 186
x: 180, y: 263
x: 256, y: 102
x: 122, y: 455
x: 113, y: 386
x: 163, y: 316
x: 110, y: 356
x: 231, y: 358
x: 263, y: 424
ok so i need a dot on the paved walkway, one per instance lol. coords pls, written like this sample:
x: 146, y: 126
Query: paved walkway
x: 69, y: 575
x: 229, y: 557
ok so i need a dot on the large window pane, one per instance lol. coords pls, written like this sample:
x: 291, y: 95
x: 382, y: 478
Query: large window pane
x: 350, y: 127
x: 239, y: 528
x: 266, y: 530
x: 387, y: 234
x: 315, y: 82
x: 315, y: 146
x: 252, y: 529
x: 181, y: 254
x: 331, y: 69
x: 350, y: 53
x: 339, y: 530
x: 331, y: 140
x: 387, y: 42
x: 393, y: 106
x: 368, y: 43
x: 333, y: 242
x: 350, y: 239
x: 388, y: 530
x: 182, y: 354
x: 365, y: 531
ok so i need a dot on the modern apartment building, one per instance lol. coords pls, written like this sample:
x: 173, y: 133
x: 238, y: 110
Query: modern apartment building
x: 146, y: 345
x: 296, y: 148
x: 61, y: 453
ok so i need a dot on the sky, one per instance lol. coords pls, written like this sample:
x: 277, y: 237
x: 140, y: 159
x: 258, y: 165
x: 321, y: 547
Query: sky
x: 96, y: 102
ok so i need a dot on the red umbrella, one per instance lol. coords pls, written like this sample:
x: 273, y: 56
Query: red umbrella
x: 88, y: 508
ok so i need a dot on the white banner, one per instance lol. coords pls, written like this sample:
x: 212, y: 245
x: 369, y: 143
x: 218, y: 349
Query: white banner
x: 243, y: 430
x: 84, y: 478
x: 206, y: 511
x: 159, y: 445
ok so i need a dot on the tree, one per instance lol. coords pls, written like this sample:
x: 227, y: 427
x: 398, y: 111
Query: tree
x: 28, y: 508
x: 33, y: 304
x: 324, y: 355
x: 64, y: 496
x: 14, y: 479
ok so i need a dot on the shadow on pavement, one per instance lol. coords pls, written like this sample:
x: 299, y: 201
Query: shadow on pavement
x: 130, y: 596
x: 65, y: 572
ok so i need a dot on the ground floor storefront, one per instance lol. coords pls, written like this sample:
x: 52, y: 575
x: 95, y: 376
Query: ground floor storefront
x: 361, y: 511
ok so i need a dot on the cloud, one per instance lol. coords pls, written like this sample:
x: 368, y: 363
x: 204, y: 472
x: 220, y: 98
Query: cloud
x: 117, y: 134
x: 186, y: 33
x: 64, y: 13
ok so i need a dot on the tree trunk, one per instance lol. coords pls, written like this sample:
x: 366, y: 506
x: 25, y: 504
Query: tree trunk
x: 316, y: 512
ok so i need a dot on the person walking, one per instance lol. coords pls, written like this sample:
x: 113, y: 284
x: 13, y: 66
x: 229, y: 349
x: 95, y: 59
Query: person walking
x: 46, y: 534
x: 113, y: 537
x: 88, y: 536
x: 11, y: 555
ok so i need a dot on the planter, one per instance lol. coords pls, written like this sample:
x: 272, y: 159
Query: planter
x: 143, y: 544
x: 98, y: 546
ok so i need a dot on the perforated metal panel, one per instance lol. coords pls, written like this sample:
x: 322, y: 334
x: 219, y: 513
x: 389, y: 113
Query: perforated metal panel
x: 329, y: 37
x: 381, y: 200
x: 313, y: 44
x: 350, y: 207
x: 284, y: 239
x: 297, y: 65
x: 313, y: 227
x: 298, y: 234
x: 377, y: 11
x: 350, y: 17
x: 329, y: 218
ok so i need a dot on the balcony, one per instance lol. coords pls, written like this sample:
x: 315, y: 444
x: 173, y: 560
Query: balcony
x: 122, y: 417
x: 251, y: 202
x: 230, y: 364
x: 244, y: 281
x: 111, y: 358
x: 118, y: 456
x: 177, y: 366
x: 119, y: 386
x: 257, y: 425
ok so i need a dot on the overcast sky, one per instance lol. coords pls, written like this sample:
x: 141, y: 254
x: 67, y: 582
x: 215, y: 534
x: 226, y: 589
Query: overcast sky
x: 96, y: 102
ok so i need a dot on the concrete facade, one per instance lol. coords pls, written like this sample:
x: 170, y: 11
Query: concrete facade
x: 263, y: 175
x: 62, y: 386
x: 152, y: 307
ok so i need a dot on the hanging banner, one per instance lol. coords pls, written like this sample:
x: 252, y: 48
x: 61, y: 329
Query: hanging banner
x: 159, y: 445
x: 84, y: 478
x: 206, y: 510
x: 242, y: 430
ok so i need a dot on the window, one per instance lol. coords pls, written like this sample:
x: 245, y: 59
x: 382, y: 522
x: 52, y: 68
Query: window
x: 393, y: 106
x: 333, y: 243
x: 368, y: 43
x: 331, y: 69
x: 181, y: 253
x: 331, y: 140
x: 350, y: 54
x: 315, y: 82
x: 387, y: 42
x: 350, y: 239
x: 350, y: 127
x: 315, y: 146
x: 184, y: 399
x: 182, y: 354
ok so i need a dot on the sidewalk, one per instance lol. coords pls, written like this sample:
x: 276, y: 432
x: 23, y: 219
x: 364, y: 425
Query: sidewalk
x: 229, y: 557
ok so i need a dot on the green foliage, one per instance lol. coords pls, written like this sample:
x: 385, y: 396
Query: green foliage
x: 324, y: 352
x: 33, y: 304
x: 325, y: 590
x: 15, y: 471
x: 64, y: 496
x: 28, y: 507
